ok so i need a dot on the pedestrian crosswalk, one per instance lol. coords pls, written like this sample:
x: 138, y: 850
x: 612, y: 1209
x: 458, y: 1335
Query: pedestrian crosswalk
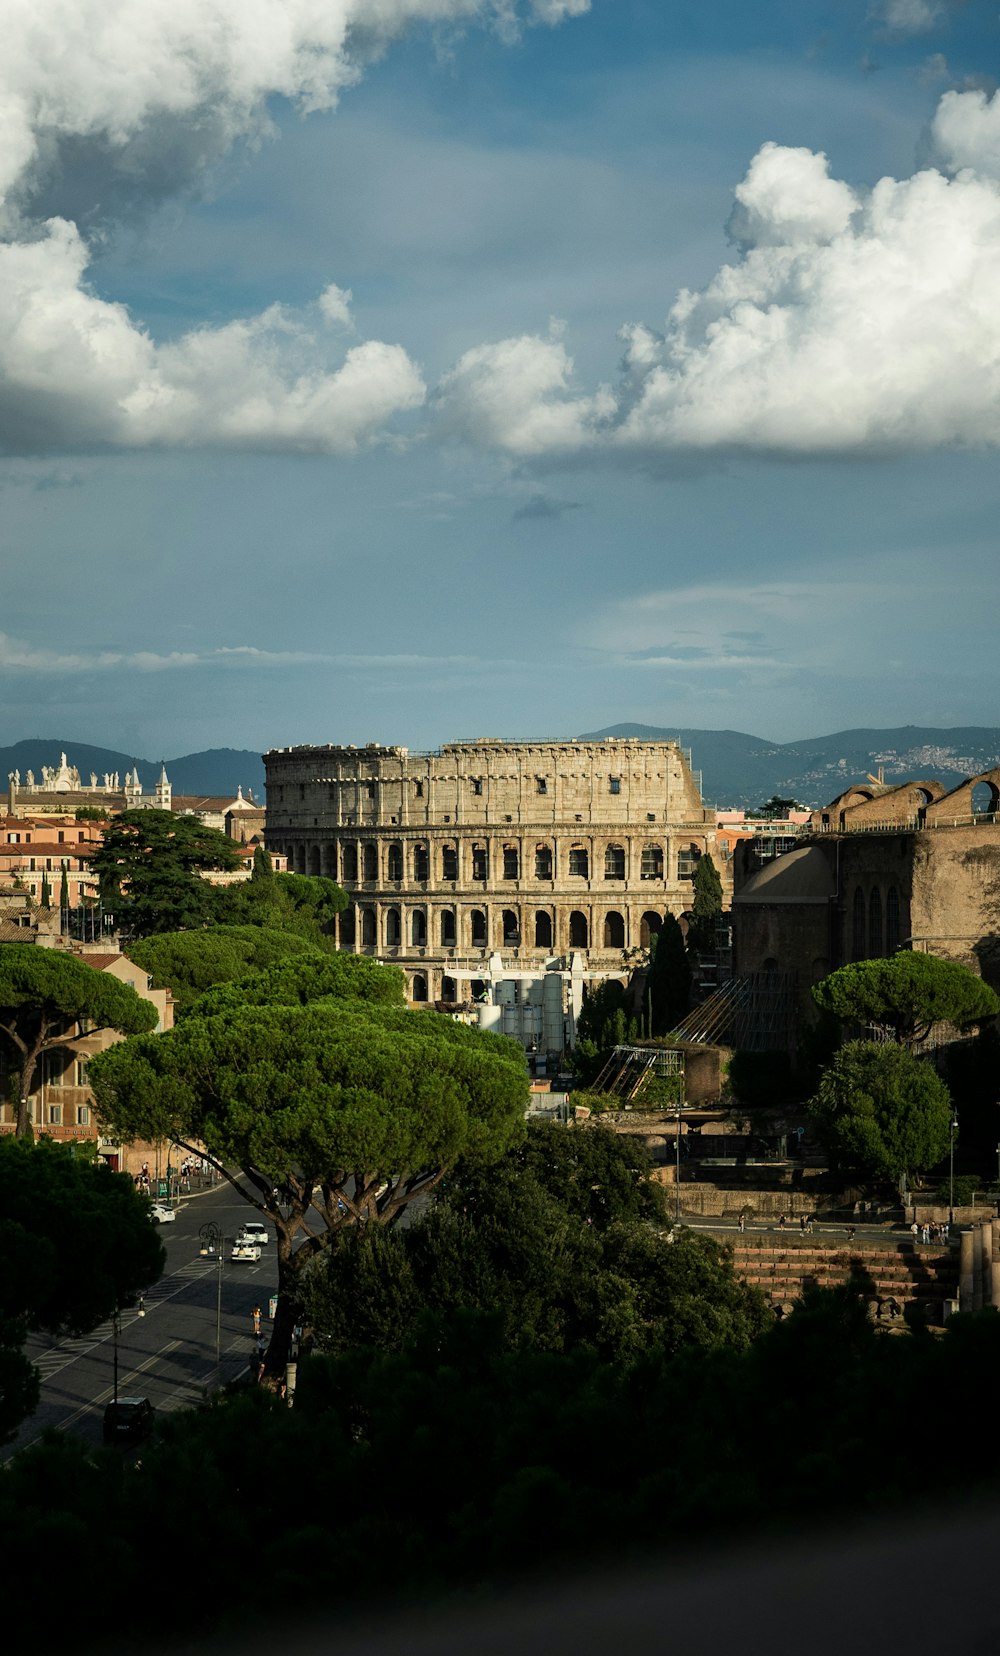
x: 51, y: 1356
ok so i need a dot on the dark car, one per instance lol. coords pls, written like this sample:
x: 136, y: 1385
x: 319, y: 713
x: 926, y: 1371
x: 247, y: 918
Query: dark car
x: 129, y: 1420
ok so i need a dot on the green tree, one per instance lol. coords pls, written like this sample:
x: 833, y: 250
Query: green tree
x: 190, y: 962
x: 321, y: 1115
x: 777, y: 806
x: 605, y: 1021
x: 64, y: 888
x: 907, y: 993
x: 149, y: 867
x: 41, y: 990
x: 46, y: 893
x: 882, y: 1109
x: 668, y: 978
x: 706, y: 906
x: 306, y: 904
x: 263, y: 867
x: 75, y: 1242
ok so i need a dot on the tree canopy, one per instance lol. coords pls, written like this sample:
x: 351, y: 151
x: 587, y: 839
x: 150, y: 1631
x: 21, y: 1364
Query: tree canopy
x: 882, y: 1109
x: 335, y: 1113
x: 190, y: 962
x: 75, y: 1242
x: 606, y: 1020
x: 149, y: 866
x: 907, y: 993
x: 706, y: 905
x: 305, y: 904
x: 668, y: 978
x: 41, y: 990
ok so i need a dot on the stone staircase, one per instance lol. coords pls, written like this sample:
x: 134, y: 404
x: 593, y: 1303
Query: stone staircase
x: 907, y: 1272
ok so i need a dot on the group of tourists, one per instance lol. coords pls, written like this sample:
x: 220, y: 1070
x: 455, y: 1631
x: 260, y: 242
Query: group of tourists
x: 931, y: 1233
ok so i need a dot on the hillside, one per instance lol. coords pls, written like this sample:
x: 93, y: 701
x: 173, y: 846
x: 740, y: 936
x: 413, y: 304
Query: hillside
x: 216, y: 771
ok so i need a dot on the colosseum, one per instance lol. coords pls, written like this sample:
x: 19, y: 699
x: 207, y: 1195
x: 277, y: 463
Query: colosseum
x: 489, y: 866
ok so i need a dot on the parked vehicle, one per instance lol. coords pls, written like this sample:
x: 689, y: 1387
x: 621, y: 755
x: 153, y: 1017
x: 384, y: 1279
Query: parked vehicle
x: 129, y: 1420
x: 161, y: 1214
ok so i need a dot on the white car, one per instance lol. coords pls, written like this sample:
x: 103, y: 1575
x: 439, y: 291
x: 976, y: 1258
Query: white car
x: 161, y: 1214
x: 244, y: 1250
x: 254, y: 1231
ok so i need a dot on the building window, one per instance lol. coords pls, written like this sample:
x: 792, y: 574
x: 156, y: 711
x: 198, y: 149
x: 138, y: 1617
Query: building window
x: 368, y: 934
x: 614, y: 931
x: 478, y: 929
x: 395, y: 861
x: 419, y: 990
x: 875, y: 924
x: 579, y: 862
x: 858, y: 925
x: 543, y: 862
x: 346, y: 928
x: 349, y: 863
x: 687, y: 862
x: 83, y: 1115
x: 418, y: 928
x: 543, y: 929
x: 477, y: 785
x: 541, y: 785
x: 392, y: 928
x: 578, y: 931
x: 369, y: 860
x: 615, y: 784
x: 480, y: 863
x: 651, y: 867
x: 448, y: 928
x: 55, y: 1115
x: 891, y: 921
x: 418, y: 789
x: 421, y: 863
x: 511, y: 929
x: 510, y: 862
x: 614, y: 862
x: 449, y: 862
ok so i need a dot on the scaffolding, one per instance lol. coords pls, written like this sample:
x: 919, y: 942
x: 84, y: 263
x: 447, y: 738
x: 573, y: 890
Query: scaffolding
x: 756, y: 1013
x: 630, y: 1068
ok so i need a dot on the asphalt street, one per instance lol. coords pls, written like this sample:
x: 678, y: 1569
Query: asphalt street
x: 196, y: 1311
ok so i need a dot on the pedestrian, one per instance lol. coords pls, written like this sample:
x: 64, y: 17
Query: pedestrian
x: 893, y: 1309
x: 743, y: 1223
x: 781, y: 1222
x: 879, y: 1306
x: 915, y: 1230
x: 255, y: 1316
x: 851, y: 1233
x: 925, y: 1233
x: 802, y: 1223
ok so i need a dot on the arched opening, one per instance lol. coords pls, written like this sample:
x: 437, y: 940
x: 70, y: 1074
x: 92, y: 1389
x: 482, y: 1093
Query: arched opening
x: 479, y: 990
x: 314, y: 864
x: 418, y: 987
x: 651, y: 863
x: 985, y: 799
x: 369, y: 860
x: 421, y: 863
x: 543, y: 929
x: 449, y: 990
x: 418, y: 928
x: 330, y: 861
x: 394, y: 861
x: 614, y: 862
x: 858, y: 925
x: 511, y: 929
x: 543, y: 862
x: 369, y: 936
x: 511, y: 862
x: 349, y: 861
x: 480, y: 862
x: 875, y: 924
x: 614, y: 931
x: 448, y: 928
x: 300, y: 859
x: 650, y: 926
x: 770, y: 965
x: 478, y: 919
x: 346, y: 929
x: 578, y: 930
x: 392, y: 931
x: 449, y: 862
x: 579, y: 862
x: 892, y: 921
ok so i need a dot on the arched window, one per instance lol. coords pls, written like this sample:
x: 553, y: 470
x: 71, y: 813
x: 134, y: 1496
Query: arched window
x: 650, y: 926
x: 579, y: 862
x: 449, y: 862
x: 349, y: 863
x: 392, y: 931
x: 543, y: 862
x: 875, y: 924
x: 651, y: 864
x: 578, y: 930
x: 394, y: 866
x: 478, y: 929
x: 614, y: 862
x: 418, y: 928
x: 449, y: 990
x: 480, y: 862
x: 418, y: 990
x: 891, y: 921
x: 448, y: 928
x: 369, y: 860
x: 614, y: 931
x: 314, y: 863
x: 330, y: 861
x: 510, y: 862
x: 543, y: 929
x: 511, y: 929
x: 368, y: 933
x: 858, y: 925
x: 300, y: 860
x: 346, y: 928
x: 421, y: 863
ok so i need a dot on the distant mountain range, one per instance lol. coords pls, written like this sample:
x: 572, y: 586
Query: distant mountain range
x: 742, y: 770
x: 736, y: 769
x: 217, y: 771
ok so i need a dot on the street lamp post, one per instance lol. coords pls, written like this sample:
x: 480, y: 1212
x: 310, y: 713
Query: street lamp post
x: 952, y: 1130
x: 114, y: 1344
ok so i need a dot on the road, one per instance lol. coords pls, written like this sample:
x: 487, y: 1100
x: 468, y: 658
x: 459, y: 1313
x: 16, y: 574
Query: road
x: 169, y: 1354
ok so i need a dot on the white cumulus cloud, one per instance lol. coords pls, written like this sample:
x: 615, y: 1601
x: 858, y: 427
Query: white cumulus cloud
x: 851, y: 321
x: 151, y: 92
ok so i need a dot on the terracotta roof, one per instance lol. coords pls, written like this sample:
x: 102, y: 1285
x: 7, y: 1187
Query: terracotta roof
x: 100, y: 962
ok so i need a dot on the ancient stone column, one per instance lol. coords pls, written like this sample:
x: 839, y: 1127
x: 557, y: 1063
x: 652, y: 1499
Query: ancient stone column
x: 965, y: 1271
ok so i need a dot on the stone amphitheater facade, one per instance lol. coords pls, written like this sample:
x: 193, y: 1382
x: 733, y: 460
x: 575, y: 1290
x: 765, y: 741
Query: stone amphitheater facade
x: 494, y: 857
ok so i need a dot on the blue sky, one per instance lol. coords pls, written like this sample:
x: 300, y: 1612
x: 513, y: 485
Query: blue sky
x: 430, y: 368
